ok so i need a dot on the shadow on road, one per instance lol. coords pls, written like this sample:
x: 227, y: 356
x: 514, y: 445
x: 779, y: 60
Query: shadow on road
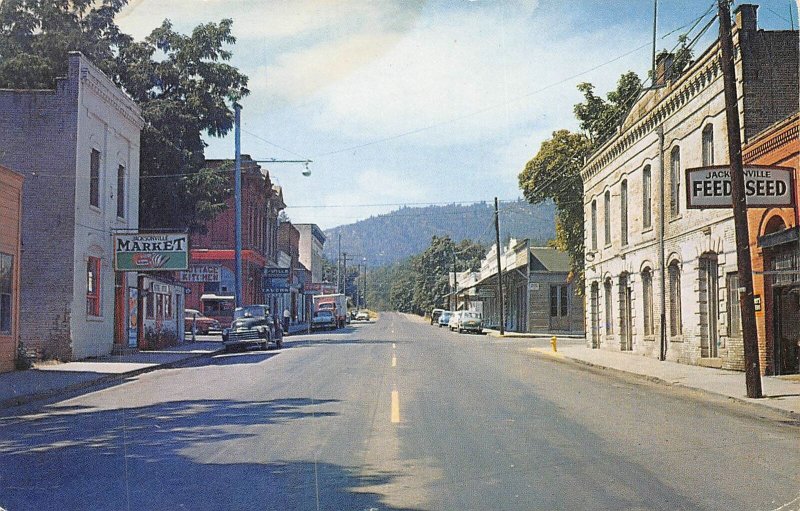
x: 189, y: 454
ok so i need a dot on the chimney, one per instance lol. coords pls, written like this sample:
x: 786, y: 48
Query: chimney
x: 663, y: 68
x: 746, y: 18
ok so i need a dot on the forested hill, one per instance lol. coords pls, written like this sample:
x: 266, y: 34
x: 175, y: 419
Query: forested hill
x: 388, y: 238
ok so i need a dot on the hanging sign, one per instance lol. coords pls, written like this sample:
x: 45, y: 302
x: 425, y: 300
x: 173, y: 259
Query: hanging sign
x: 764, y: 187
x: 150, y: 252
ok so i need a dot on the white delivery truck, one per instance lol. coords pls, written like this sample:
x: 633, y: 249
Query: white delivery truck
x: 336, y: 303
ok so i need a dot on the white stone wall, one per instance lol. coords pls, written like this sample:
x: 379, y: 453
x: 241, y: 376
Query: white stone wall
x: 109, y: 122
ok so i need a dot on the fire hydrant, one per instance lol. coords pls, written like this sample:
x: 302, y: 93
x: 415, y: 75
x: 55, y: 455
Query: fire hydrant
x: 553, y: 343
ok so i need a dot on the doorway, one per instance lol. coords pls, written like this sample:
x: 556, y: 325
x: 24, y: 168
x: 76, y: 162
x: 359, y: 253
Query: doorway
x: 625, y: 313
x: 594, y: 315
x: 709, y: 306
x: 786, y: 351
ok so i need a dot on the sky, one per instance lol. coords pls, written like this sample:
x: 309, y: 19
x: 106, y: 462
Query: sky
x: 414, y: 102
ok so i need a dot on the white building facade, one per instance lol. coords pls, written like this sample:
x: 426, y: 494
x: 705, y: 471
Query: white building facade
x: 78, y: 146
x: 661, y: 279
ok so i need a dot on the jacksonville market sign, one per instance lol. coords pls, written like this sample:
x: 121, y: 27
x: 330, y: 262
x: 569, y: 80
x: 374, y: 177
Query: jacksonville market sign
x: 764, y: 187
x: 149, y: 252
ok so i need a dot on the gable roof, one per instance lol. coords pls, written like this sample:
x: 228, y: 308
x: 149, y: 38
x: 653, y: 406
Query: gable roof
x: 549, y: 259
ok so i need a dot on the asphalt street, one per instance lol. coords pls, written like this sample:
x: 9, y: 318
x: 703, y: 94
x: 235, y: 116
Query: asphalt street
x: 395, y: 415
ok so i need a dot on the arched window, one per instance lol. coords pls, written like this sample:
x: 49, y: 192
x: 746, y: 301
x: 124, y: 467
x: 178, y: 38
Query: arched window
x: 623, y: 213
x: 675, y: 322
x: 647, y: 197
x: 708, y: 145
x: 607, y: 219
x: 608, y: 301
x: 647, y: 301
x: 675, y: 181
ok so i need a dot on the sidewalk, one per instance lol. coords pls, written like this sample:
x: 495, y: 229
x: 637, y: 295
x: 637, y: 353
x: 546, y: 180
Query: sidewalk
x: 781, y: 393
x: 51, y: 379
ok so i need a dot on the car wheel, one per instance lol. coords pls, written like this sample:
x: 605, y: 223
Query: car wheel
x: 460, y: 330
x: 279, y: 343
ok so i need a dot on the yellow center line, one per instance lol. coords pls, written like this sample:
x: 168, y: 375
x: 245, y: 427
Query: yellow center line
x: 394, y: 346
x: 395, y: 407
x: 394, y: 361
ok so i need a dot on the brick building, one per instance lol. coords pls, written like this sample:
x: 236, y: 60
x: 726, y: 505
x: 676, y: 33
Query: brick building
x: 262, y: 202
x: 10, y: 247
x: 289, y: 244
x: 660, y: 278
x: 775, y: 252
x: 78, y: 148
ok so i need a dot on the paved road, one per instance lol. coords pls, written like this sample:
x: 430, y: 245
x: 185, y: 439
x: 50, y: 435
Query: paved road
x: 394, y: 415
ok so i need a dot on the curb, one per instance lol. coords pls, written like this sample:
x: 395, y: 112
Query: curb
x: 40, y: 396
x: 660, y: 381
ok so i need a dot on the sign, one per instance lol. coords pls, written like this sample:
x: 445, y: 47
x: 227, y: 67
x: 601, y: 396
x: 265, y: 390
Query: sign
x: 764, y: 187
x: 757, y: 302
x: 277, y: 273
x: 133, y: 317
x: 201, y: 273
x: 275, y: 290
x: 320, y: 287
x: 276, y: 280
x: 159, y: 288
x: 486, y: 292
x: 151, y: 252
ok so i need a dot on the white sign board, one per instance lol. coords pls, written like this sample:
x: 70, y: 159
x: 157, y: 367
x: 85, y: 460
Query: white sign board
x: 200, y: 273
x: 765, y: 187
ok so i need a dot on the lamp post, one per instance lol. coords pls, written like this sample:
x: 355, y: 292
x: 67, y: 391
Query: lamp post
x: 237, y: 132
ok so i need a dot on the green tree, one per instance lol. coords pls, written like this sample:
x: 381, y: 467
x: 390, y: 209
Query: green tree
x: 185, y: 88
x: 183, y: 85
x: 598, y: 117
x: 554, y: 174
x: 36, y: 35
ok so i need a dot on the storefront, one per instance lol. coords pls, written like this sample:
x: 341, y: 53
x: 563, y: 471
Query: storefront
x: 10, y: 235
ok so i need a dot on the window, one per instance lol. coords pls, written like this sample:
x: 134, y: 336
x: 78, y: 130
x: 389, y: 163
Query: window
x: 675, y: 322
x: 94, y: 178
x: 6, y: 291
x: 121, y: 191
x: 609, y: 300
x: 150, y: 309
x: 623, y: 212
x: 607, y: 219
x: 647, y: 198
x: 594, y: 225
x: 675, y: 181
x: 93, y: 286
x: 734, y: 307
x: 647, y: 300
x: 708, y: 145
x: 559, y: 301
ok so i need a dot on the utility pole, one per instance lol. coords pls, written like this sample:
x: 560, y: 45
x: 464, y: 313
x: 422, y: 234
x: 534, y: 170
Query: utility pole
x: 344, y: 274
x: 339, y: 266
x: 237, y: 184
x: 499, y: 268
x: 746, y: 302
x: 455, y: 279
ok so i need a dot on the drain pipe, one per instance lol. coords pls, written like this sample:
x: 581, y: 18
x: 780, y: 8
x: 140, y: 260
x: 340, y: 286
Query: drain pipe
x: 661, y: 256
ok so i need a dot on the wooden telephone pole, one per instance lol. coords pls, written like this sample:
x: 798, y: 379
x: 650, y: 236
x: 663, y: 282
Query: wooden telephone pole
x: 747, y: 304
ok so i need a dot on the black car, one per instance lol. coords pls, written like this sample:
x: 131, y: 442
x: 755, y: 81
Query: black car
x: 252, y: 326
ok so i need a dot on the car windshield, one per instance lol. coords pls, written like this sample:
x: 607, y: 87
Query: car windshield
x: 323, y: 314
x: 472, y: 315
x: 251, y: 311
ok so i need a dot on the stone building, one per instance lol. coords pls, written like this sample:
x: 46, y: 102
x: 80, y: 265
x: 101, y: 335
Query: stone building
x: 775, y: 252
x: 659, y: 276
x: 78, y: 148
x: 10, y: 248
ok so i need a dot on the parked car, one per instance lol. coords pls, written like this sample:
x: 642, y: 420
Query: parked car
x: 252, y: 325
x: 323, y: 320
x: 202, y: 324
x: 362, y: 316
x: 435, y: 314
x: 462, y: 321
x: 444, y: 318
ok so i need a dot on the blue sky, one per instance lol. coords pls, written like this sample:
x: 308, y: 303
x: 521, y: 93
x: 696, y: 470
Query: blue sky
x: 419, y: 102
